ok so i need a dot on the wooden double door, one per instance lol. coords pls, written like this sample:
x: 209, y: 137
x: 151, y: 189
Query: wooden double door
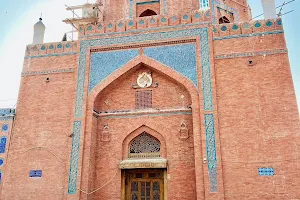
x: 144, y: 184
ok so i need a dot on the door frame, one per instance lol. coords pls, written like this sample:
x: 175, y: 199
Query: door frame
x: 123, y: 179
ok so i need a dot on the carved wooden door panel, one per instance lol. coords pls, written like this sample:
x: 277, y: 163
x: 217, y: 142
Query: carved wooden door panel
x: 144, y: 185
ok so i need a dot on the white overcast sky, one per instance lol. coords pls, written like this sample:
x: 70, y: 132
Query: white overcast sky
x: 17, y: 18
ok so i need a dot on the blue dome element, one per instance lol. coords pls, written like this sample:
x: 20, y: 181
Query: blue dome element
x: 163, y: 19
x: 43, y: 48
x: 110, y: 26
x: 246, y: 26
x: 89, y: 28
x: 197, y: 16
x: 185, y: 17
x: 279, y: 22
x: 269, y: 23
x: 131, y: 23
x: 257, y: 25
x: 68, y: 45
x: 152, y: 21
x: 59, y: 46
x: 141, y: 22
x: 224, y: 28
x: 235, y: 27
x: 51, y: 47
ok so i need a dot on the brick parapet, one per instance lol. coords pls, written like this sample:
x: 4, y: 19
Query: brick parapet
x: 245, y: 29
x: 51, y: 49
x: 196, y: 16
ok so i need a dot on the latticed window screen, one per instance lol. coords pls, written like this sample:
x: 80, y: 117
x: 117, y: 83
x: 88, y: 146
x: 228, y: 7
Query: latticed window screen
x: 204, y: 3
x: 143, y: 146
x: 143, y: 99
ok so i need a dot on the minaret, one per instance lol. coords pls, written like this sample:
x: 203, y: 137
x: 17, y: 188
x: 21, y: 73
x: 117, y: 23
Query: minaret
x: 39, y: 32
x: 269, y: 9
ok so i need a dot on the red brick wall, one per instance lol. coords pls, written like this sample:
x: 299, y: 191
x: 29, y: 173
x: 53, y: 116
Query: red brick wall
x: 41, y: 132
x: 258, y: 120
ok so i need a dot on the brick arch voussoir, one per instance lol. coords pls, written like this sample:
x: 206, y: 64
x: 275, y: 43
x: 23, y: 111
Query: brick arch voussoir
x: 190, y: 87
x: 136, y: 132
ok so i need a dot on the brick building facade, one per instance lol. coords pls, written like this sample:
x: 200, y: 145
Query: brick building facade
x: 158, y: 100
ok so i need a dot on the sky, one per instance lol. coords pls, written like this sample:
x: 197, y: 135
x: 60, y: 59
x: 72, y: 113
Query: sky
x: 17, y: 18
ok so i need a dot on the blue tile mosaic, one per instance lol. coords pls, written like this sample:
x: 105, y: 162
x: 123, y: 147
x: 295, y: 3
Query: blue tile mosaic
x: 257, y: 25
x: 1, y: 174
x: 1, y: 161
x: 4, y: 127
x: 54, y: 71
x: 204, y: 4
x: 3, y: 144
x: 206, y: 74
x: 181, y: 58
x: 165, y: 7
x: 247, y: 54
x: 6, y: 118
x: 105, y: 63
x: 149, y: 114
x: 211, y: 151
x: 266, y: 172
x: 130, y: 9
x: 7, y: 112
x: 269, y: 23
x: 35, y: 173
x: 74, y: 157
x: 125, y: 40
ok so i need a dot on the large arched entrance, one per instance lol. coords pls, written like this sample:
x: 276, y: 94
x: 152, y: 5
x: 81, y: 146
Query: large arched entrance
x: 141, y: 126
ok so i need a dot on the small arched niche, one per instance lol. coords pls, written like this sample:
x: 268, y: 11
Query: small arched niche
x: 144, y: 146
x: 224, y: 20
x: 147, y: 13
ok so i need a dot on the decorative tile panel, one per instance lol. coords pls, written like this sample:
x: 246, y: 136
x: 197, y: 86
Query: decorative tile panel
x: 184, y: 62
x: 1, y: 161
x: 50, y: 55
x: 206, y: 74
x: 6, y: 118
x: 211, y: 151
x: 55, y: 71
x: 3, y: 141
x: 105, y: 63
x: 266, y: 171
x: 74, y: 158
x: 4, y: 127
x: 35, y: 173
x: 251, y: 54
x: 165, y: 7
x: 7, y: 112
x: 123, y: 40
x: 130, y: 9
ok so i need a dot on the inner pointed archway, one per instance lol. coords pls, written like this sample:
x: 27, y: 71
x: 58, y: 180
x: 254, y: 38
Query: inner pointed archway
x: 147, y: 13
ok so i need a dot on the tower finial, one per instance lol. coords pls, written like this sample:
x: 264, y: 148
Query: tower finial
x: 41, y: 17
